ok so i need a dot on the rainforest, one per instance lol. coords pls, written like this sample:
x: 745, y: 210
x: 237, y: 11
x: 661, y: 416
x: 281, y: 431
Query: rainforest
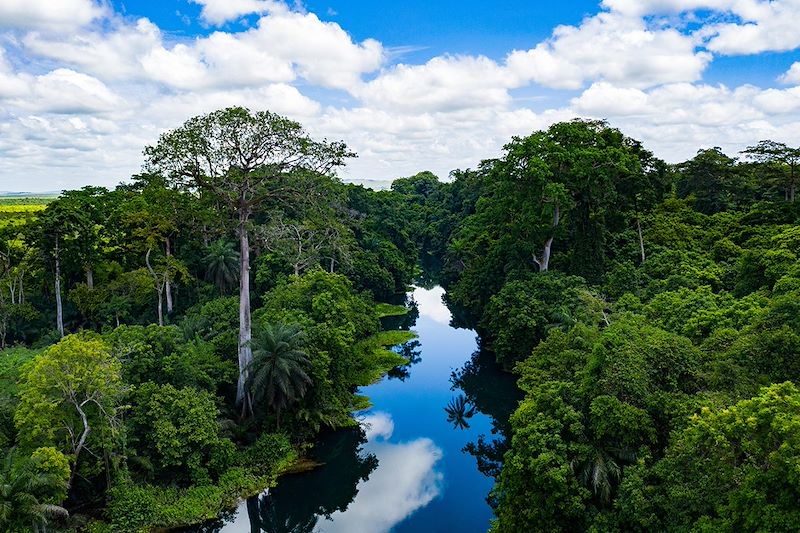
x: 612, y: 342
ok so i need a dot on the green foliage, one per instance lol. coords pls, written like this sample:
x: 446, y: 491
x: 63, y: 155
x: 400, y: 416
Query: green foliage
x: 272, y: 452
x: 27, y: 490
x: 178, y: 432
x: 216, y: 322
x: 142, y: 350
x: 733, y: 469
x: 278, y: 373
x: 142, y: 507
x: 384, y: 310
x: 69, y: 398
x: 521, y: 314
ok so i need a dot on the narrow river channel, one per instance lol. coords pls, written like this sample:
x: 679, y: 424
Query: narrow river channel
x: 406, y: 469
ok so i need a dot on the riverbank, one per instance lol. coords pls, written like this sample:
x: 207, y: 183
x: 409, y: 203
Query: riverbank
x: 407, y: 468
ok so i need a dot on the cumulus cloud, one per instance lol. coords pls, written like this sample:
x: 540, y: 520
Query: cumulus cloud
x: 640, y: 8
x: 51, y: 15
x: 221, y: 11
x: 791, y: 76
x: 441, y: 84
x: 757, y: 25
x: 283, y: 46
x: 612, y: 47
x: 68, y: 92
x: 763, y: 26
x: 83, y: 89
x: 111, y: 54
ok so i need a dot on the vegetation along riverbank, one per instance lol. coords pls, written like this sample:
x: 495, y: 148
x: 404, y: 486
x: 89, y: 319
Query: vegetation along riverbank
x: 176, y: 343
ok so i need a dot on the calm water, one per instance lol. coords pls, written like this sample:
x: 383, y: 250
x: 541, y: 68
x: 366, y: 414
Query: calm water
x: 407, y: 469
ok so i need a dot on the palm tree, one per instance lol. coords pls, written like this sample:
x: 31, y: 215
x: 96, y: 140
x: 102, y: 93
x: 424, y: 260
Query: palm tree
x: 222, y: 264
x: 278, y: 372
x: 601, y: 469
x: 457, y: 412
x: 21, y: 487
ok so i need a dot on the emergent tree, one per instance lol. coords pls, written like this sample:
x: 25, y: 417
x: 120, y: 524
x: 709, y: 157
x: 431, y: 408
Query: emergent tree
x: 237, y: 156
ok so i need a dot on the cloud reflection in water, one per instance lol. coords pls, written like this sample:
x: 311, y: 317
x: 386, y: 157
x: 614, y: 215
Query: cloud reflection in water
x: 431, y: 305
x: 406, y: 480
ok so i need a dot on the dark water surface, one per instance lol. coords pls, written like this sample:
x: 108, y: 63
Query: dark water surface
x: 406, y: 469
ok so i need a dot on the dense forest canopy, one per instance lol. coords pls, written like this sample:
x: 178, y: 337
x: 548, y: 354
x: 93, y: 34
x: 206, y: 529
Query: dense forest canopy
x: 171, y: 344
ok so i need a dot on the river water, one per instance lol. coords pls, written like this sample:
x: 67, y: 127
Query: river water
x: 406, y: 468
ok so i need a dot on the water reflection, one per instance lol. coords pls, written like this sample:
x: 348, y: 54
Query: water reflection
x: 406, y: 480
x: 458, y: 411
x: 431, y: 305
x: 301, y: 501
x: 403, y: 470
x: 494, y: 393
x: 412, y: 351
x: 368, y: 485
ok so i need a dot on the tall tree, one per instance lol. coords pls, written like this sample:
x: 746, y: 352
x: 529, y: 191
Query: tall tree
x: 783, y: 160
x: 235, y: 154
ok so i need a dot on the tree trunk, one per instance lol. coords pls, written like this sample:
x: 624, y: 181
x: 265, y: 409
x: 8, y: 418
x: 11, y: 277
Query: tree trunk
x: 81, y: 442
x: 544, y: 262
x: 167, y: 286
x: 159, y: 286
x: 160, y: 309
x: 89, y: 277
x: 59, y: 308
x: 641, y: 239
x: 245, y: 332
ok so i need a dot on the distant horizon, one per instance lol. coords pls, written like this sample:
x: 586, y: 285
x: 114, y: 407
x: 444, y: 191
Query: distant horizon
x: 57, y: 192
x: 85, y: 85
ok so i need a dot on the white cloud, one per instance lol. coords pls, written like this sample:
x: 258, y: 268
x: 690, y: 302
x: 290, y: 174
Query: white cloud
x: 761, y: 25
x: 441, y: 84
x: 640, y: 8
x: 51, y: 15
x: 610, y: 47
x: 791, y: 76
x: 431, y: 305
x: 68, y: 92
x: 377, y: 424
x: 764, y: 26
x: 221, y: 11
x: 86, y: 102
x: 112, y: 54
x: 283, y: 46
x: 779, y: 102
x: 322, y: 52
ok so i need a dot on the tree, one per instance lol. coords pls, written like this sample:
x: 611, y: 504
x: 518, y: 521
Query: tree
x: 234, y: 154
x: 24, y: 505
x: 279, y: 368
x: 177, y: 430
x: 735, y: 469
x: 67, y: 393
x: 711, y: 178
x: 221, y: 262
x: 783, y: 160
x: 458, y: 411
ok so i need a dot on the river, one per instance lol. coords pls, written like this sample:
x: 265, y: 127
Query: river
x: 406, y: 469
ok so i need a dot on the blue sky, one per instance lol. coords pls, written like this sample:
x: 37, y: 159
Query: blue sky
x: 86, y: 84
